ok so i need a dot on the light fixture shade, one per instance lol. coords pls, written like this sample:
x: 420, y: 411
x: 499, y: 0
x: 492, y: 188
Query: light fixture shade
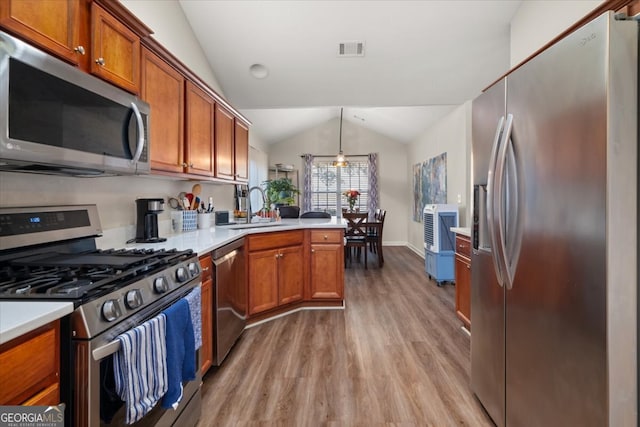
x: 340, y: 159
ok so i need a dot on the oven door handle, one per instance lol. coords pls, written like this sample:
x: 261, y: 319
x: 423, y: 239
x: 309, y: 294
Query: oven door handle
x: 106, y: 350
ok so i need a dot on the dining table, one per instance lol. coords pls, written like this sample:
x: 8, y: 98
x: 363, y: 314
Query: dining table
x: 361, y: 223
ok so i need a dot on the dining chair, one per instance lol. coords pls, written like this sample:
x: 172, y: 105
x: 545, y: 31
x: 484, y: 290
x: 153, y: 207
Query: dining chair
x: 315, y: 214
x: 374, y: 234
x: 355, y: 234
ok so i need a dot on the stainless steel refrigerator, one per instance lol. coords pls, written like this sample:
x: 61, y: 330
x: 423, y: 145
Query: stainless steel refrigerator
x: 554, y: 261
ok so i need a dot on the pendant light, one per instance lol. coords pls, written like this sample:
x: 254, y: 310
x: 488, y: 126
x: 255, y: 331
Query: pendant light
x: 340, y: 160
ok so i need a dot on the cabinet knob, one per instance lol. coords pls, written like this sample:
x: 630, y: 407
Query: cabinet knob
x: 326, y: 237
x: 206, y: 269
x: 79, y: 49
x: 313, y: 250
x: 184, y: 165
x: 100, y: 61
x: 190, y: 165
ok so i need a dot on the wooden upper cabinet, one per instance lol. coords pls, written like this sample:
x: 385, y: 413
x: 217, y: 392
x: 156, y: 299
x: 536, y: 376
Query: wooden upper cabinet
x: 163, y: 89
x: 224, y: 143
x: 199, y: 131
x: 53, y: 25
x: 241, y: 151
x: 115, y: 50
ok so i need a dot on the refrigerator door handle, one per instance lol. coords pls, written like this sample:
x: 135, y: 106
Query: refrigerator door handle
x: 507, y: 201
x: 490, y: 205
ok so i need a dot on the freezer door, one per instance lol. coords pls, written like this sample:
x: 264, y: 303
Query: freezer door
x: 556, y: 310
x: 487, y: 296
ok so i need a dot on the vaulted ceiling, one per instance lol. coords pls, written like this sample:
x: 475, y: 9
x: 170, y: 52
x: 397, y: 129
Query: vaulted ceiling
x: 421, y: 59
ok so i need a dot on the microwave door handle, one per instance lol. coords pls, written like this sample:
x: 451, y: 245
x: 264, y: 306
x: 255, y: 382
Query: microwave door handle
x: 140, y: 144
x: 490, y: 203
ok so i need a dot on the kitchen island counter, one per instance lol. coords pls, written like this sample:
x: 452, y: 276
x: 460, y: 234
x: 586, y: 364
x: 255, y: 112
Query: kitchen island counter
x: 206, y: 240
x: 20, y: 317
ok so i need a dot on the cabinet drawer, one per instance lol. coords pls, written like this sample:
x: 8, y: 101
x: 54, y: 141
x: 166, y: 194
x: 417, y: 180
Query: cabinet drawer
x: 47, y: 397
x: 463, y: 246
x: 326, y: 236
x: 28, y: 365
x: 277, y: 239
x: 206, y: 264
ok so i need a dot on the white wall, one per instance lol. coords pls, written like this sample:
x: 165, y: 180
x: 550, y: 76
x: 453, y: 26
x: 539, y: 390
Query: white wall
x: 537, y: 22
x: 170, y: 27
x: 323, y: 139
x: 452, y: 135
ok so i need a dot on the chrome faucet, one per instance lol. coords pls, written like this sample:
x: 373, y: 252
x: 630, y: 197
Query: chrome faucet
x: 264, y: 201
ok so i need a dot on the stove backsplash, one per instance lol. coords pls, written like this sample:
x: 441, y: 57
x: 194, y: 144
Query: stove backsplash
x: 114, y: 196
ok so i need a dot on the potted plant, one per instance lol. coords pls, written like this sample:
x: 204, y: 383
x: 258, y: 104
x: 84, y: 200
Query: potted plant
x: 280, y: 192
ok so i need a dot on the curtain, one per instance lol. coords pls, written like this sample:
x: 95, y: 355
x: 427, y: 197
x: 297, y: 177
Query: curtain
x: 306, y: 190
x: 374, y: 195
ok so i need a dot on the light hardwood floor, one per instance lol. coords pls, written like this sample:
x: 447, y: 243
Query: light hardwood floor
x: 395, y: 356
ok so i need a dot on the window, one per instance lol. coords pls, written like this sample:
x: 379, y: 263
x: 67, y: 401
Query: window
x: 327, y: 182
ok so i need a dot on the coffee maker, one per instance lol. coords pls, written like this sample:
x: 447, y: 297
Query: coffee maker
x: 147, y: 220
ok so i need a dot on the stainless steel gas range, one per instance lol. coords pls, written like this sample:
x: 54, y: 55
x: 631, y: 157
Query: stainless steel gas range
x: 49, y: 253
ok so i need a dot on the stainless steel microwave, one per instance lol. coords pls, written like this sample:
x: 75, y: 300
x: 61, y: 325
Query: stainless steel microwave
x: 56, y: 119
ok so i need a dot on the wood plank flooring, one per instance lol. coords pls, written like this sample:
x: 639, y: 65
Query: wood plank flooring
x: 395, y: 356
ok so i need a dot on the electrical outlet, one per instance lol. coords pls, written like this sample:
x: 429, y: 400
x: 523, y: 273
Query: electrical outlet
x: 459, y: 198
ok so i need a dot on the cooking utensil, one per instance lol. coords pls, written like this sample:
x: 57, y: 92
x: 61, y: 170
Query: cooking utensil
x: 175, y: 203
x: 186, y: 204
x: 196, y: 190
x: 196, y: 203
x: 210, y: 207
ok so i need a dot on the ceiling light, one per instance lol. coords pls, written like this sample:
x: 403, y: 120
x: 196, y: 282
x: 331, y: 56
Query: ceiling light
x: 259, y: 71
x: 340, y: 160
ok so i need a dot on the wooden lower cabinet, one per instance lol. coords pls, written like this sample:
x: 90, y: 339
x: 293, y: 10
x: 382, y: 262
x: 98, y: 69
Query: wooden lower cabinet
x: 30, y: 368
x: 206, y: 351
x: 463, y: 279
x: 327, y: 264
x: 276, y: 277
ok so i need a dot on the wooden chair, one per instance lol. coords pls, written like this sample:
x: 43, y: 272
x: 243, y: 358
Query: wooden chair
x: 374, y: 235
x: 356, y: 234
x: 315, y: 214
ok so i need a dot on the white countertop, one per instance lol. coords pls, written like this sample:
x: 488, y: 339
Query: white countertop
x: 203, y: 241
x: 19, y: 317
x: 464, y: 231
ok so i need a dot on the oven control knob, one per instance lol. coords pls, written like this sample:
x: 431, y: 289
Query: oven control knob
x: 111, y: 310
x: 182, y: 274
x: 193, y: 269
x: 160, y: 285
x: 133, y: 299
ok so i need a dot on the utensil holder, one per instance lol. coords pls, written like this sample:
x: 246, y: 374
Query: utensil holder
x: 189, y: 220
x: 204, y: 220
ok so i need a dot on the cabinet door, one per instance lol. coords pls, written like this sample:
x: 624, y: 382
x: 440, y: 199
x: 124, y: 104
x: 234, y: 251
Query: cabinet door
x: 163, y: 90
x: 327, y: 271
x: 224, y: 143
x: 241, y: 151
x: 463, y: 289
x: 263, y: 280
x: 115, y: 51
x: 290, y: 274
x: 199, y: 131
x: 52, y: 25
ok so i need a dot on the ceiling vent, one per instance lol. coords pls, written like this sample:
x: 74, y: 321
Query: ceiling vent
x: 350, y: 49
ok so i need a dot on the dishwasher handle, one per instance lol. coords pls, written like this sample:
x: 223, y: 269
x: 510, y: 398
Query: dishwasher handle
x: 225, y: 250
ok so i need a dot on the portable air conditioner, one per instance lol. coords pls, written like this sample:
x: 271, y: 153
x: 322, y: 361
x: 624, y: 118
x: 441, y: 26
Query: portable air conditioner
x: 440, y: 241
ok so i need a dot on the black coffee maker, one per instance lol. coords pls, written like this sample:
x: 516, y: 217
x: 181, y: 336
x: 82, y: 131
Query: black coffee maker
x: 147, y: 220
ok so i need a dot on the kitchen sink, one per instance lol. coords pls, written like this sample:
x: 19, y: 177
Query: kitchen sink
x: 252, y: 225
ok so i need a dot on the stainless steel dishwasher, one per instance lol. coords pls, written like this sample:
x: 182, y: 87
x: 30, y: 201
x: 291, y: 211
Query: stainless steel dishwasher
x: 229, y: 298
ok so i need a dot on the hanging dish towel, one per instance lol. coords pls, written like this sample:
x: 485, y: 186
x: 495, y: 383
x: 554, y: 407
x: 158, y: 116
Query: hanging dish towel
x: 181, y: 354
x: 140, y: 367
x: 195, y: 307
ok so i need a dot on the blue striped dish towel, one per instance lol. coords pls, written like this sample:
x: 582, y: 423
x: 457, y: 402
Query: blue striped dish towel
x: 181, y: 353
x: 140, y: 367
x: 194, y: 298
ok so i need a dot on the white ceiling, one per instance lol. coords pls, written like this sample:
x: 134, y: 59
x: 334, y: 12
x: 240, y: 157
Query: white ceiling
x: 422, y: 58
